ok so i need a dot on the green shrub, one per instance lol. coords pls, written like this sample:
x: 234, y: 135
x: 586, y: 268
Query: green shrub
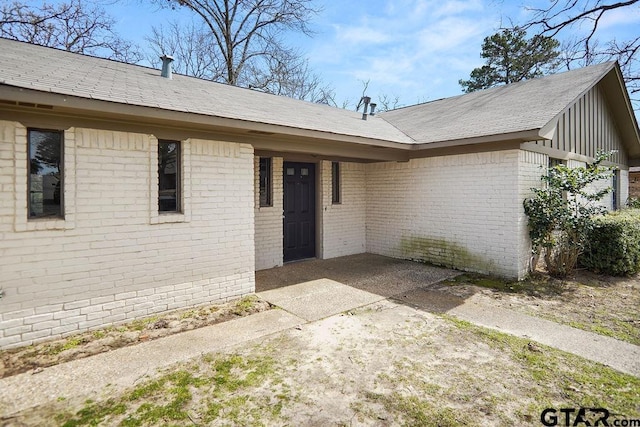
x: 614, y: 244
x: 561, y: 213
x: 633, y: 202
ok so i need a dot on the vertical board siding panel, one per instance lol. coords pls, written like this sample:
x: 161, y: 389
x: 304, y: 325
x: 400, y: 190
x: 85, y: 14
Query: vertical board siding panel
x: 581, y: 127
x: 588, y: 121
x: 588, y: 126
x: 567, y: 134
x: 570, y: 143
x: 594, y: 122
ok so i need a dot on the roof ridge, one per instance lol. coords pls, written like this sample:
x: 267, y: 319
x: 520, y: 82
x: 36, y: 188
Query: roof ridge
x: 511, y: 85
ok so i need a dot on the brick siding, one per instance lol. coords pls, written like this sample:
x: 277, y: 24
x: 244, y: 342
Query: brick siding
x: 343, y: 224
x: 462, y: 211
x: 114, y: 263
x: 268, y: 227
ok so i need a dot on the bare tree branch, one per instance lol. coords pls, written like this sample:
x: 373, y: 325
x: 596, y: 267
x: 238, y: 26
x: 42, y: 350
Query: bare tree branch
x: 584, y: 18
x: 190, y: 45
x: 70, y: 26
x: 247, y: 31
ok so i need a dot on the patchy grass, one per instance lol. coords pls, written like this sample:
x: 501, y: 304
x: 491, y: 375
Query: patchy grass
x: 244, y: 305
x: 599, y: 304
x: 59, y: 347
x: 232, y: 389
x: 420, y: 412
x: 580, y: 382
x: 141, y: 324
x: 513, y: 390
x: 397, y: 366
x: 537, y: 285
x: 15, y: 361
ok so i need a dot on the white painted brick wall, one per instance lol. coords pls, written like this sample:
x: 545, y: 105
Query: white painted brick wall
x: 459, y: 210
x: 268, y: 226
x: 114, y: 264
x: 530, y: 170
x: 607, y: 200
x: 624, y: 187
x: 343, y: 225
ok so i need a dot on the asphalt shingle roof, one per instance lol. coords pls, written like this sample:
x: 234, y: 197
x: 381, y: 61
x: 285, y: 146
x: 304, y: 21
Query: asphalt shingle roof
x: 517, y: 107
x: 50, y: 70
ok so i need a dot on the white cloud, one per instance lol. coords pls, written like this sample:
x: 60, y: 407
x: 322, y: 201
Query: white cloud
x: 451, y: 33
x: 416, y: 49
x: 455, y: 7
x: 360, y: 35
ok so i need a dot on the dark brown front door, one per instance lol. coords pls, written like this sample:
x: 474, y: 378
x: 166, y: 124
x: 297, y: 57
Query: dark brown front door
x: 299, y: 211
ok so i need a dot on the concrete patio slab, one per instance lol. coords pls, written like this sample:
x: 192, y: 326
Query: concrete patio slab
x: 318, y: 299
x: 376, y: 274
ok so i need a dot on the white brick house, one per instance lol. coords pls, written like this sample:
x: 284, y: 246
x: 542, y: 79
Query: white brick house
x: 125, y: 193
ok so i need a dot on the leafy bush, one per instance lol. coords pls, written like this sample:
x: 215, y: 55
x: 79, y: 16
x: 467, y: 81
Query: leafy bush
x: 560, y: 213
x: 614, y: 244
x: 633, y: 202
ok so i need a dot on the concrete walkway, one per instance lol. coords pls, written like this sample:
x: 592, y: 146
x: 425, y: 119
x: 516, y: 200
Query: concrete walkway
x: 115, y: 370
x: 321, y: 298
x: 620, y: 355
x: 92, y: 377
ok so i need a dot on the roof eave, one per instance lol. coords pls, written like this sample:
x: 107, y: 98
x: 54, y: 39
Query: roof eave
x: 127, y: 111
x: 522, y: 136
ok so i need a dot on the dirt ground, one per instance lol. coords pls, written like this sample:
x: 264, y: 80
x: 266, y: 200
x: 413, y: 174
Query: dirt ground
x: 601, y: 304
x: 36, y: 357
x: 597, y: 303
x: 386, y: 364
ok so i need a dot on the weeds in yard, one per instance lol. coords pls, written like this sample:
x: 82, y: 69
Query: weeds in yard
x: 244, y: 305
x: 141, y: 324
x: 536, y: 285
x: 68, y: 344
x: 577, y: 382
x: 222, y: 389
x: 596, y: 304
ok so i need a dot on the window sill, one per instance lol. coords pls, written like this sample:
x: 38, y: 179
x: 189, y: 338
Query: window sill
x: 37, y: 224
x: 168, y: 218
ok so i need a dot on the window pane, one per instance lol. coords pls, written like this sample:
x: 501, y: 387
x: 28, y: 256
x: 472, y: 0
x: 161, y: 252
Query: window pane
x: 335, y: 182
x: 168, y: 176
x: 265, y: 181
x: 45, y: 173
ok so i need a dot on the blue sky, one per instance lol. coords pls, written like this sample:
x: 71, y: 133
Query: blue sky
x: 415, y: 50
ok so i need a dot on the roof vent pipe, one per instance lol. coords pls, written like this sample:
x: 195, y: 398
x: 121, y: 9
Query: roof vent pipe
x: 366, y: 101
x: 373, y: 109
x: 166, y: 66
